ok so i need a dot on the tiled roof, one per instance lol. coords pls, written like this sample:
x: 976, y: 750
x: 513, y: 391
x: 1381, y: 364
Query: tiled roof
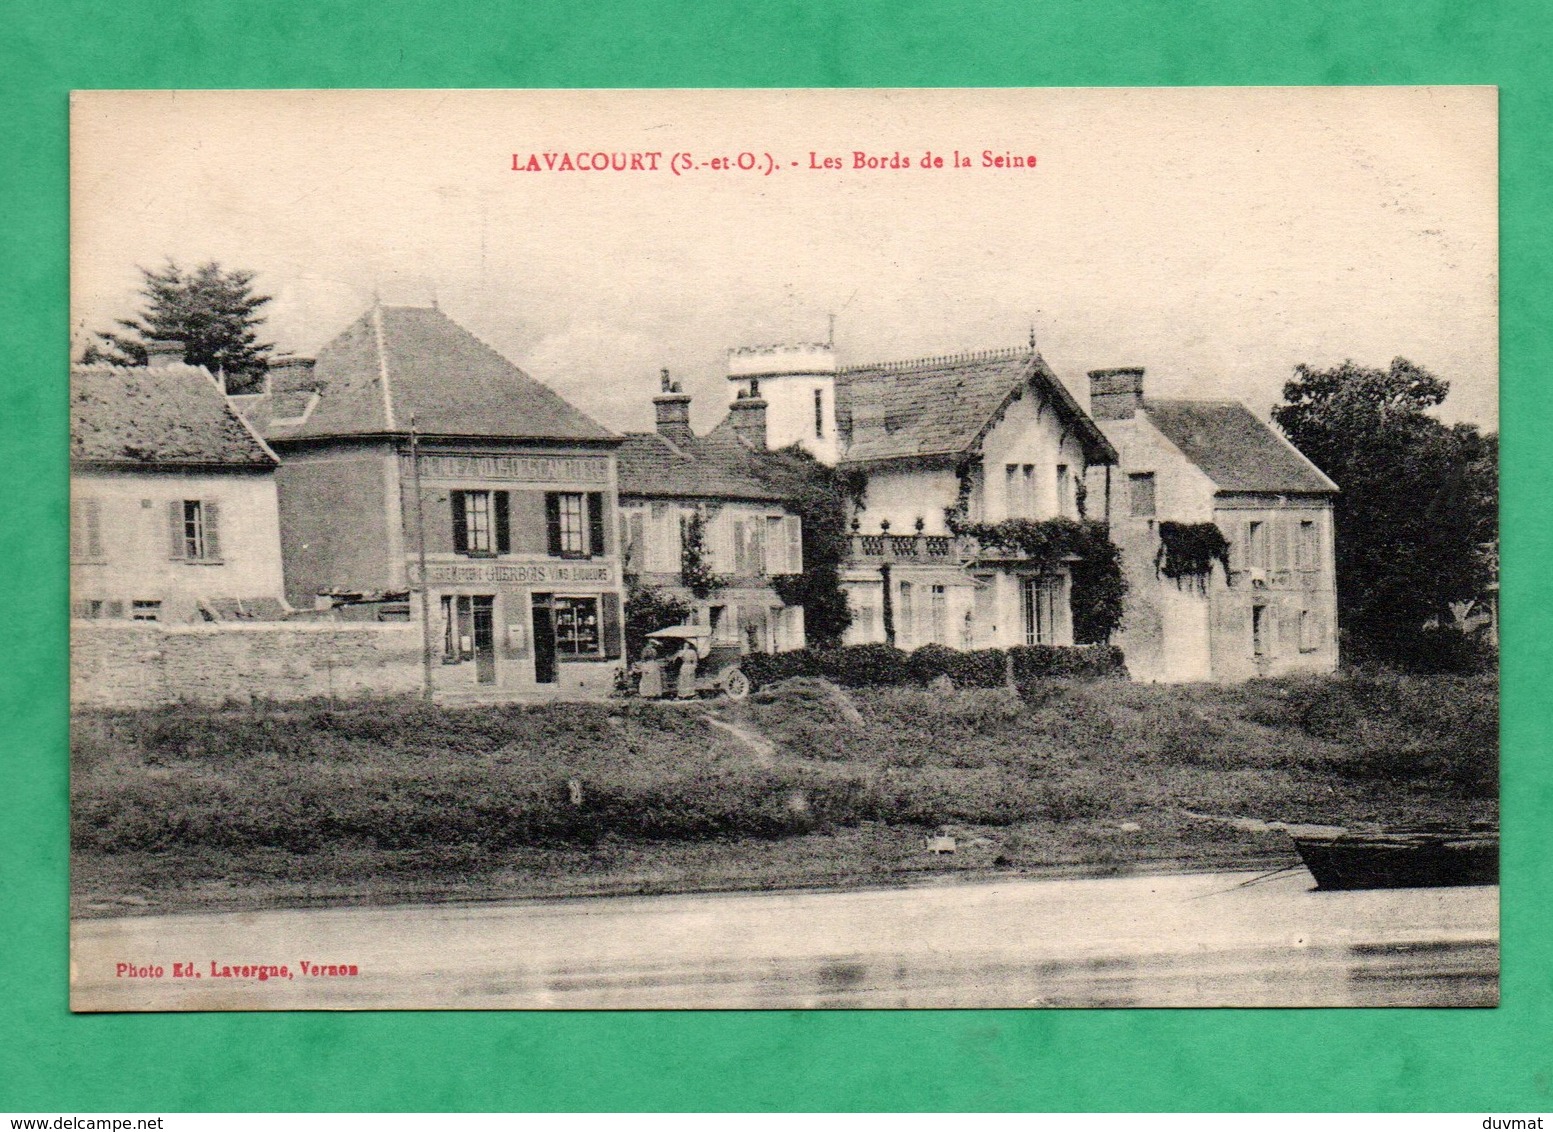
x: 944, y: 406
x: 397, y: 362
x: 1234, y: 449
x: 145, y: 417
x: 715, y: 466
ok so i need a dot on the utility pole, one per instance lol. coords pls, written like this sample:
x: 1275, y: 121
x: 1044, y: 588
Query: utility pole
x: 420, y: 553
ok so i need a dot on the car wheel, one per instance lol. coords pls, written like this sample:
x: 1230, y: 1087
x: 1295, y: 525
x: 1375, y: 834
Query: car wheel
x: 736, y: 684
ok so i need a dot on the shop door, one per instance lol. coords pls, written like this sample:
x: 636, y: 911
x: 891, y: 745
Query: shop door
x: 544, y: 640
x: 485, y: 639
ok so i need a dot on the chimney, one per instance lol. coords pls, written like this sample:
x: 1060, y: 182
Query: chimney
x: 672, y: 408
x: 748, y: 414
x: 1115, y: 394
x: 291, y: 373
x: 164, y: 352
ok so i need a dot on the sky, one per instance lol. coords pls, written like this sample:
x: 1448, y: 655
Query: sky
x: 1218, y: 237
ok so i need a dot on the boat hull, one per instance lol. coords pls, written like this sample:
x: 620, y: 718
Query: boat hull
x: 1354, y: 861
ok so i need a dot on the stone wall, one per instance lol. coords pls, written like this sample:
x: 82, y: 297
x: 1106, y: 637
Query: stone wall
x: 126, y: 664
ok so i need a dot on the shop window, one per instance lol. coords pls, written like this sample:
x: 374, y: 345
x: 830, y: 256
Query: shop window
x: 578, y: 632
x: 481, y: 523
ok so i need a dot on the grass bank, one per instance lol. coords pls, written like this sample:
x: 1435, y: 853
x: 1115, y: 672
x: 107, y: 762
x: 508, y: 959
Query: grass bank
x: 192, y: 807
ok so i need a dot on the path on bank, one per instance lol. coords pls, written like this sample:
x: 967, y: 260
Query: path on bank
x: 1202, y: 939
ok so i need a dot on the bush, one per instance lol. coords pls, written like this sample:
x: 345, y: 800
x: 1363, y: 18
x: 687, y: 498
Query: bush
x: 1079, y: 662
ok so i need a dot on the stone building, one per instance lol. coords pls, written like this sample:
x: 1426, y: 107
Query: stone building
x: 173, y: 511
x: 678, y: 489
x: 410, y: 441
x: 979, y: 437
x: 1272, y: 608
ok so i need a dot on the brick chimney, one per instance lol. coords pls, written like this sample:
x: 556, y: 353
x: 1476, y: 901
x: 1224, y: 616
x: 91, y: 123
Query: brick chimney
x: 672, y: 408
x: 748, y: 414
x: 1115, y: 394
x: 164, y: 352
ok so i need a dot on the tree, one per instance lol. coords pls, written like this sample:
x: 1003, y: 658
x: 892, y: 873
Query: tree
x: 1417, y: 512
x: 822, y: 497
x: 213, y: 312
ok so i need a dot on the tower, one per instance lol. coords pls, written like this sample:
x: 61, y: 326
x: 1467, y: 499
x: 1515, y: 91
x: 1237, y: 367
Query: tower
x: 798, y: 385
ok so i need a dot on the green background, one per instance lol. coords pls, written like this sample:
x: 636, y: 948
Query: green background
x: 1499, y: 1060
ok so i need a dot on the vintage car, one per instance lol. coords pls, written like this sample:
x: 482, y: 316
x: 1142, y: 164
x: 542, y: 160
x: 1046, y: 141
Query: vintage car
x: 718, y: 670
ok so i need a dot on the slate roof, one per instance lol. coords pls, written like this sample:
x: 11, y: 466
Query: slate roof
x: 393, y: 362
x: 1234, y: 449
x: 160, y: 416
x: 715, y: 466
x: 944, y: 406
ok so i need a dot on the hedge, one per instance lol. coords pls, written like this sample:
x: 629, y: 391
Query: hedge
x: 869, y: 666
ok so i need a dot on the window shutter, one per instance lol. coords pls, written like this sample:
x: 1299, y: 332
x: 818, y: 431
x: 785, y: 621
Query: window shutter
x: 503, y: 523
x: 1280, y: 540
x: 596, y: 523
x: 210, y: 511
x: 613, y: 647
x: 794, y: 544
x: 741, y: 557
x: 77, y: 530
x: 94, y: 528
x: 553, y: 522
x: 175, y: 546
x: 460, y: 523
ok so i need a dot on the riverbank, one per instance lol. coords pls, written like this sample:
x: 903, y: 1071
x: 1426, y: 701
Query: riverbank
x: 183, y: 809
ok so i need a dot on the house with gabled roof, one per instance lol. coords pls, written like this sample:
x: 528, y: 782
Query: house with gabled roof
x: 427, y: 478
x: 173, y: 511
x: 1268, y: 606
x: 939, y: 442
x: 720, y: 498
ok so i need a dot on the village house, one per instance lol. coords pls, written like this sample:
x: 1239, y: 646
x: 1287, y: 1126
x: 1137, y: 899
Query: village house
x: 713, y: 506
x: 1270, y: 606
x: 939, y: 443
x: 426, y: 478
x: 173, y: 509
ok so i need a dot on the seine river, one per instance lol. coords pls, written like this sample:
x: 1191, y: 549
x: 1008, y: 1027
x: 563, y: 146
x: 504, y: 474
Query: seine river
x: 1198, y: 939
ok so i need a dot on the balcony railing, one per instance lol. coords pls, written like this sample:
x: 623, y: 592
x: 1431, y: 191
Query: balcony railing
x: 911, y: 548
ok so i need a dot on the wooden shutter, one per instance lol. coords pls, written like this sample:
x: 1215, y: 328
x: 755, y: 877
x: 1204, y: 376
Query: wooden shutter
x: 794, y: 544
x: 93, y: 527
x: 499, y: 500
x: 1280, y: 544
x: 553, y: 523
x: 741, y: 548
x: 460, y: 523
x: 210, y: 512
x: 613, y: 646
x: 77, y: 530
x: 175, y: 546
x: 596, y: 523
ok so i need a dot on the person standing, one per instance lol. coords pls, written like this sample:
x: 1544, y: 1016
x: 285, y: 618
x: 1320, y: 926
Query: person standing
x: 689, y: 659
x: 650, y: 669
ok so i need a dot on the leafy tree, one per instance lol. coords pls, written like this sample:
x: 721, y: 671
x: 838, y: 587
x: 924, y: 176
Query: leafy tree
x: 647, y: 610
x: 1417, y: 513
x: 822, y: 497
x: 213, y: 312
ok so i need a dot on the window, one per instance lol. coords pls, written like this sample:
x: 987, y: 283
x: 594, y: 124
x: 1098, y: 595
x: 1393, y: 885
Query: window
x: 938, y: 604
x: 906, y: 618
x: 1306, y: 556
x: 1256, y: 545
x: 577, y: 628
x: 194, y: 526
x: 85, y: 530
x: 1260, y: 636
x: 1310, y: 631
x: 481, y: 523
x: 819, y: 414
x: 1140, y: 487
x: 458, y: 633
x: 1064, y: 492
x: 576, y: 523
x: 636, y: 545
x: 91, y: 609
x: 145, y: 610
x: 1038, y: 610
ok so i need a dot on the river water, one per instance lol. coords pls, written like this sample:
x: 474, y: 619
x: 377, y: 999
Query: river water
x: 1198, y: 939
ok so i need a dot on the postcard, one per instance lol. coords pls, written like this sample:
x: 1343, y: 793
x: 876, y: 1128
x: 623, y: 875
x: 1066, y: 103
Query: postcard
x: 708, y: 549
